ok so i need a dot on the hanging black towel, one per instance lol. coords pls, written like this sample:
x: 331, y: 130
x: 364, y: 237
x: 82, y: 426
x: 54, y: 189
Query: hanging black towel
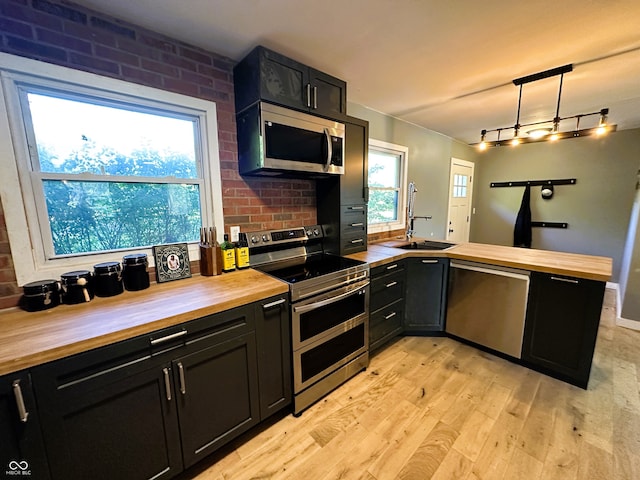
x: 522, y: 230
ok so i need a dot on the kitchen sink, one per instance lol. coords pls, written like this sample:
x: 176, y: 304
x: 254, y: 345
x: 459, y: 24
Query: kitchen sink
x: 426, y: 245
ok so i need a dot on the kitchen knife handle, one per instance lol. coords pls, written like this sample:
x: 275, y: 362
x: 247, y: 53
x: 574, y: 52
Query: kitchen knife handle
x: 22, y: 410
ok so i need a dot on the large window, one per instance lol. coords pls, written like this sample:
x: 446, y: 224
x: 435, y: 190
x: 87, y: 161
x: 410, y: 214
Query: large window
x: 104, y: 169
x: 387, y: 184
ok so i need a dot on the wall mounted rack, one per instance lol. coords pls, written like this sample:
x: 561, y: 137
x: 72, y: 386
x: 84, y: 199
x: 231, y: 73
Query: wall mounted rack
x: 534, y: 183
x: 550, y: 224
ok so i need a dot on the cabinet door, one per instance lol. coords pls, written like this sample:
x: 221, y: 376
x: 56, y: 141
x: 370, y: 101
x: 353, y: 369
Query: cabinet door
x: 425, y: 299
x: 353, y: 183
x: 21, y: 448
x: 273, y: 331
x: 284, y: 81
x: 560, y: 331
x: 328, y: 95
x: 217, y: 395
x: 116, y: 423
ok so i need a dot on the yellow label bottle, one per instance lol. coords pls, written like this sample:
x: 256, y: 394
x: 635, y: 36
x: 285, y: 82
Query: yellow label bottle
x: 228, y: 255
x: 242, y: 251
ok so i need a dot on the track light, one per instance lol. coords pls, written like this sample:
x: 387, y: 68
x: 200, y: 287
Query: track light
x: 541, y: 131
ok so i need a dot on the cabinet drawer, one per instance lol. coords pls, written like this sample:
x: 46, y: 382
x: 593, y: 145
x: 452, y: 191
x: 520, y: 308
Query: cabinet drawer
x: 385, y: 324
x: 386, y: 289
x: 398, y: 266
x: 353, y: 243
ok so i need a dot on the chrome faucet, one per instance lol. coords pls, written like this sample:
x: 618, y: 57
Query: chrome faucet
x: 411, y: 200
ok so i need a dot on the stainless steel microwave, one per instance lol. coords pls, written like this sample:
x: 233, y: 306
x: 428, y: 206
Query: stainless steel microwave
x: 277, y: 141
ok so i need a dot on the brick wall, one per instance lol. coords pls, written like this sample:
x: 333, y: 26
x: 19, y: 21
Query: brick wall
x: 63, y: 33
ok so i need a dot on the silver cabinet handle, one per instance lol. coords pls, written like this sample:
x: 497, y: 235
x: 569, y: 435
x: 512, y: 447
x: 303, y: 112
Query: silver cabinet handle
x: 167, y: 383
x: 17, y: 393
x: 273, y: 304
x: 358, y: 240
x: 315, y: 97
x: 360, y: 224
x: 308, y: 95
x: 391, y: 315
x: 566, y: 280
x: 429, y: 261
x: 183, y: 385
x: 312, y: 306
x: 389, y: 285
x: 391, y: 267
x: 356, y: 208
x: 158, y: 341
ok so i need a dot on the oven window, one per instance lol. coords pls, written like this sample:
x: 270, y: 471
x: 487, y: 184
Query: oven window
x: 324, y: 318
x: 331, y: 352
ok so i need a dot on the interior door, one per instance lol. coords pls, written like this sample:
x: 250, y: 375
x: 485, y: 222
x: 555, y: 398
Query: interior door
x: 460, y: 196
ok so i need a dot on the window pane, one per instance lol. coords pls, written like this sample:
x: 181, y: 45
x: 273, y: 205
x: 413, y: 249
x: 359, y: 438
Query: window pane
x: 76, y: 137
x: 384, y: 169
x: 101, y: 216
x: 383, y: 206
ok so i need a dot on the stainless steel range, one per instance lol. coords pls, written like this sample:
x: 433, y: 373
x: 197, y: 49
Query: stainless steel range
x: 329, y: 308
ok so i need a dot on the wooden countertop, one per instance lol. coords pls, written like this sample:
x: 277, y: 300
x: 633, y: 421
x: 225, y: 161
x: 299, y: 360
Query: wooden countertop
x: 560, y: 263
x: 32, y: 338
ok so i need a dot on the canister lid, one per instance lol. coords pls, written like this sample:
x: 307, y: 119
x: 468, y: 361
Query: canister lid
x: 41, y: 286
x: 73, y: 277
x: 135, y: 259
x: 107, y: 267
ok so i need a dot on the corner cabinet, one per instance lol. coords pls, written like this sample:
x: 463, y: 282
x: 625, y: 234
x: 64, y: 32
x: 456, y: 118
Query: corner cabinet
x: 154, y: 405
x: 270, y: 76
x: 342, y: 199
x: 426, y: 295
x: 21, y: 448
x: 561, y: 327
x: 386, y: 303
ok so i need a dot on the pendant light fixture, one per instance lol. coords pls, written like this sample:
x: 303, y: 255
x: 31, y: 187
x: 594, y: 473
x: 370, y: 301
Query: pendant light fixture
x: 540, y: 131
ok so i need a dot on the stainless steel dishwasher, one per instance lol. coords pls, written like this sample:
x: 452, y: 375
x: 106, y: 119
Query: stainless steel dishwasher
x: 487, y: 305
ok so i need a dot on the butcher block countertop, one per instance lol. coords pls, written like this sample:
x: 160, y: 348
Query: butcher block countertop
x: 559, y: 263
x: 32, y: 338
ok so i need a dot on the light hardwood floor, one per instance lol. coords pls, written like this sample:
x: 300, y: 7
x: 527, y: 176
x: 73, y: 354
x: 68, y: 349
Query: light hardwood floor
x: 435, y: 408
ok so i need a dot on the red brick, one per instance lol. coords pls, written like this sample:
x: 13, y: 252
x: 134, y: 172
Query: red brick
x: 89, y: 34
x: 197, y: 56
x: 117, y: 55
x: 19, y: 29
x: 94, y: 64
x: 180, y: 86
x: 178, y: 62
x: 141, y: 76
x: 158, y: 67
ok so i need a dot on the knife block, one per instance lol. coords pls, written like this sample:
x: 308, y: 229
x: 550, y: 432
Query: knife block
x: 210, y: 260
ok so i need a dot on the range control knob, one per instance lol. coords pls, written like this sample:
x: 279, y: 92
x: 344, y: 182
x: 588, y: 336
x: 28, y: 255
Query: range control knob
x: 265, y: 238
x: 308, y: 232
x: 254, y: 239
x: 316, y: 232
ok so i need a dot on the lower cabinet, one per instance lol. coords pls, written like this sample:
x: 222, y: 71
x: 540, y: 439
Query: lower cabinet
x: 21, y: 448
x: 153, y: 405
x: 562, y: 321
x: 426, y: 295
x: 386, y: 303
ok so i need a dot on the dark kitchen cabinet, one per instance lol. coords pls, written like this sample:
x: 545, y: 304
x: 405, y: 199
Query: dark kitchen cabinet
x: 386, y: 303
x: 342, y: 199
x: 426, y: 295
x: 21, y: 448
x: 273, y: 332
x: 150, y: 406
x: 270, y: 76
x: 561, y: 326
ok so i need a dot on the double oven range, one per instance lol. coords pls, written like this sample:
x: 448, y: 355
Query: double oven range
x: 329, y: 298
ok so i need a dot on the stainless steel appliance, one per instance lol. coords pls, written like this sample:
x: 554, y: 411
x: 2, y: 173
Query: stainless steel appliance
x: 329, y: 308
x: 487, y: 305
x: 276, y: 141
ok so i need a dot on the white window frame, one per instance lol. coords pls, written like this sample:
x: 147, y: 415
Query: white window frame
x: 22, y: 202
x: 403, y: 151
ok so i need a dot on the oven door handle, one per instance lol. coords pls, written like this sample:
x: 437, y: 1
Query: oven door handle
x: 328, y: 301
x: 346, y: 282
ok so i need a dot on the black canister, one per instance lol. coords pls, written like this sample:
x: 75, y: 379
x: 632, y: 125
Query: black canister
x: 40, y: 295
x: 107, y: 279
x: 135, y: 271
x: 77, y: 287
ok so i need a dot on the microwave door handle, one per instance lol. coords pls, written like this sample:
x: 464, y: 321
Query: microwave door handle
x: 329, y: 149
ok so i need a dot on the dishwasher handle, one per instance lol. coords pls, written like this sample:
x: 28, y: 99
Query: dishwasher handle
x: 492, y: 271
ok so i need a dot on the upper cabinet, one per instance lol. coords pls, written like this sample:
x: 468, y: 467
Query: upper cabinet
x: 269, y: 76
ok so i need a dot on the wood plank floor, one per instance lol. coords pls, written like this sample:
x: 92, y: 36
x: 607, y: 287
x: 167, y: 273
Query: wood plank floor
x: 435, y: 408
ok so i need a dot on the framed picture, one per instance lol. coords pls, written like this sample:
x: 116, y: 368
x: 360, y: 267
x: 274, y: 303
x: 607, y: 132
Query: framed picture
x: 172, y: 262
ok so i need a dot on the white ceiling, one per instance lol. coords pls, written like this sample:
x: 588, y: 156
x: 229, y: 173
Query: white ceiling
x: 447, y: 65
